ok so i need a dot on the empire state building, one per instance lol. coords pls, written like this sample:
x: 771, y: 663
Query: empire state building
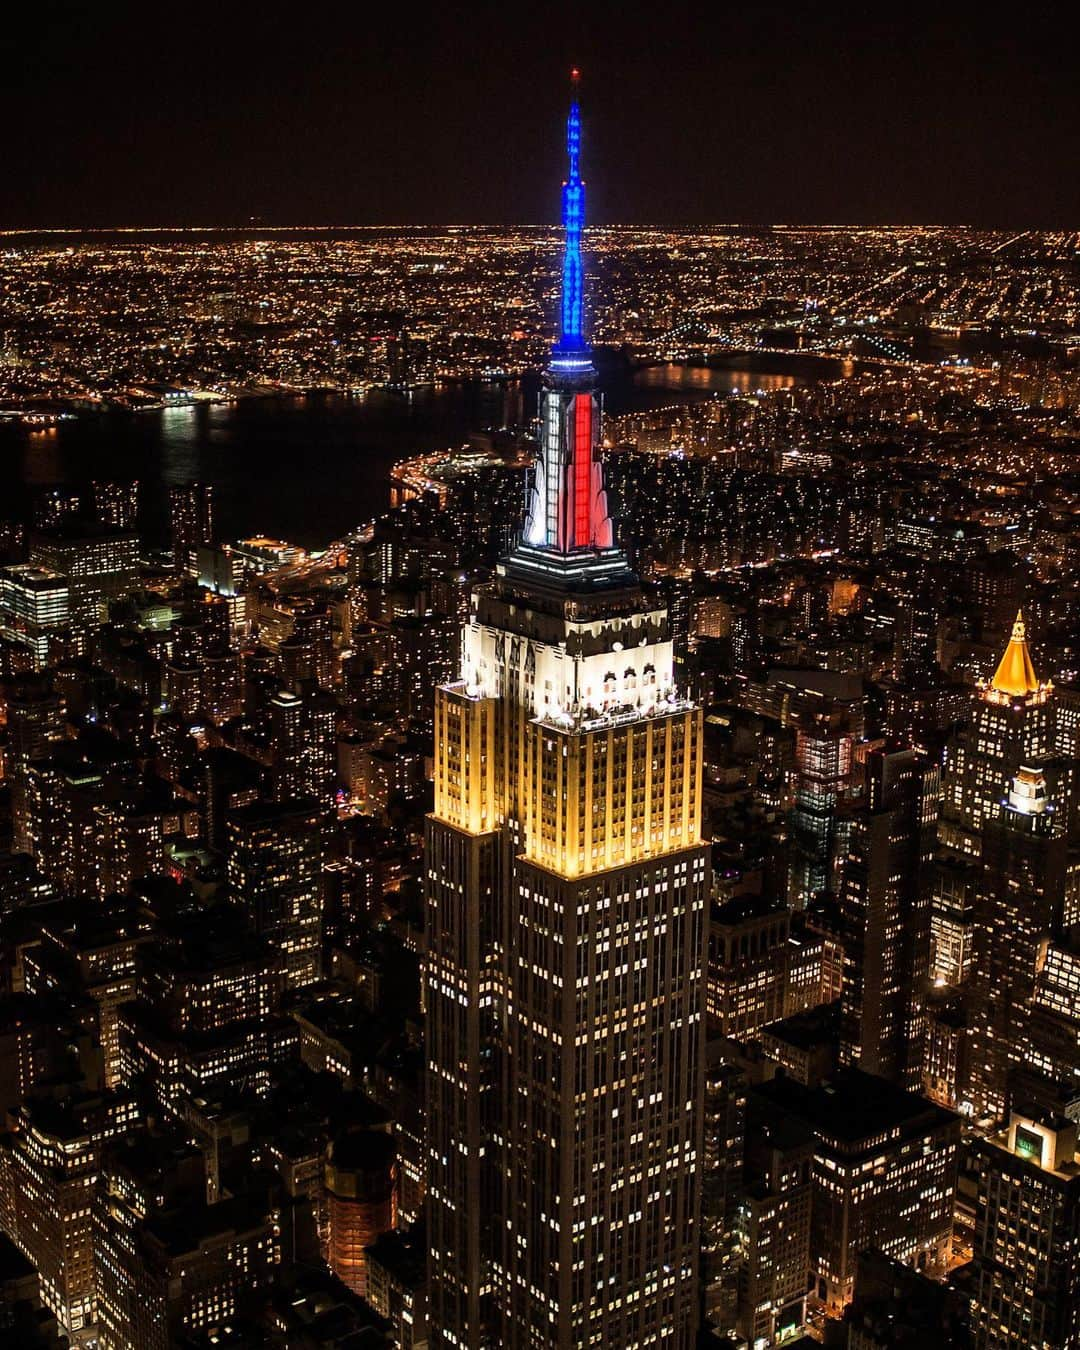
x: 566, y: 886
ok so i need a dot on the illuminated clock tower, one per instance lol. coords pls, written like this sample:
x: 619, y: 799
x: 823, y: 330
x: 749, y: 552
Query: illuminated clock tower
x: 566, y: 885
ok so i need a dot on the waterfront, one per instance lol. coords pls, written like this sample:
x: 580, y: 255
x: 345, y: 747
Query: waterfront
x: 308, y: 468
x: 689, y: 382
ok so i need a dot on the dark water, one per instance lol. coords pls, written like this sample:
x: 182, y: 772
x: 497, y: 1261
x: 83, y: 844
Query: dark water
x: 701, y: 381
x: 304, y: 469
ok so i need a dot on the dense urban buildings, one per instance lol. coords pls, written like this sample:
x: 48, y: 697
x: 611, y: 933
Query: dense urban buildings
x: 223, y: 314
x: 624, y: 890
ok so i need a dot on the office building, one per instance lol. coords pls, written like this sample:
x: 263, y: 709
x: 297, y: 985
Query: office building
x: 396, y: 1284
x: 34, y: 610
x: 1027, y: 1236
x: 1049, y: 1069
x: 1017, y: 909
x: 185, y: 1272
x: 823, y: 757
x: 35, y: 725
x: 116, y: 505
x: 952, y: 920
x: 275, y: 855
x: 566, y: 885
x: 884, y: 1176
x: 885, y: 913
x: 722, y: 1187
x: 101, y: 565
x: 774, y: 1226
x: 1011, y: 724
x: 748, y: 960
x: 207, y: 1011
x: 191, y: 520
x: 49, y: 1165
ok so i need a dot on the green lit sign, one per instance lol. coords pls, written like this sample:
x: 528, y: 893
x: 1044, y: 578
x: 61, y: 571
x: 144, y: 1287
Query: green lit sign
x: 1029, y: 1144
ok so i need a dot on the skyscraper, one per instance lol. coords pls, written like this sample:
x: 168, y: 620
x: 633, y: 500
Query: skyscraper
x: 191, y: 517
x: 1027, y: 1232
x: 275, y: 873
x: 748, y: 965
x: 565, y: 884
x: 49, y: 1164
x: 1018, y: 908
x: 101, y: 565
x: 34, y: 713
x: 1012, y: 723
x: 885, y: 905
x: 33, y: 609
x: 823, y: 754
x: 117, y: 505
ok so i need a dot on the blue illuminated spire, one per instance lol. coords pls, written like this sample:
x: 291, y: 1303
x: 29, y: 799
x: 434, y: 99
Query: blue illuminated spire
x: 567, y: 514
x: 571, y: 334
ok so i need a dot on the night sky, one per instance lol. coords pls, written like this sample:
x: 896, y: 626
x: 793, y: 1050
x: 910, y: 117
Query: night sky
x: 192, y: 114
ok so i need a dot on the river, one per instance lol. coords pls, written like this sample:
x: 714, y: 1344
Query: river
x: 307, y: 469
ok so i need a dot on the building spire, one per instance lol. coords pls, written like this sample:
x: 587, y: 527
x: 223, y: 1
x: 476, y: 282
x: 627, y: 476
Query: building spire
x: 1015, y: 675
x: 567, y: 513
x: 571, y: 320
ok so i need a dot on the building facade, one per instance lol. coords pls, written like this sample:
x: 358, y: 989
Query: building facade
x: 885, y: 907
x: 1027, y: 1236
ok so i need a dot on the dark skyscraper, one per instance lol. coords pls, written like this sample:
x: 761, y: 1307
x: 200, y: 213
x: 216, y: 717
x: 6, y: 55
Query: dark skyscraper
x: 885, y: 908
x: 117, y: 505
x: 191, y: 520
x: 1017, y: 909
x: 275, y: 875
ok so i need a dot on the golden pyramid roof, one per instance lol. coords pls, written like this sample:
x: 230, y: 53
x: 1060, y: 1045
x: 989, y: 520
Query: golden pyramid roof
x: 1015, y: 674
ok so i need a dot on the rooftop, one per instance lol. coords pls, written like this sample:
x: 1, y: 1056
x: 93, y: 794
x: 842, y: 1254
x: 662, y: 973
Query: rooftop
x: 804, y: 1030
x: 29, y: 574
x: 855, y: 1106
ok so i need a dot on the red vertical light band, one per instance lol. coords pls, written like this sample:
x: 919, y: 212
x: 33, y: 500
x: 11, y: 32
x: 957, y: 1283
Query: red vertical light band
x: 582, y: 468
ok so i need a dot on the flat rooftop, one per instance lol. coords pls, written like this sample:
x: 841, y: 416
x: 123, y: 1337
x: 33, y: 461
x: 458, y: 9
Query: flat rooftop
x: 854, y: 1106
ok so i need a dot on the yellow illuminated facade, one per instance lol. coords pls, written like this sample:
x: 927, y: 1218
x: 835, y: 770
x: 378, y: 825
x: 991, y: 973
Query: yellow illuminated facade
x: 566, y: 890
x: 589, y: 790
x: 565, y: 887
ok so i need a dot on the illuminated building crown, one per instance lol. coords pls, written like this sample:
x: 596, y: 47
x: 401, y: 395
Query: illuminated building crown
x: 568, y: 531
x: 1015, y: 676
x: 1028, y: 792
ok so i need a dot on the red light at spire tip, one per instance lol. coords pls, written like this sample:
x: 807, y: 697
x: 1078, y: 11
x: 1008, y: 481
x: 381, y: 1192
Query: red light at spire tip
x: 575, y: 74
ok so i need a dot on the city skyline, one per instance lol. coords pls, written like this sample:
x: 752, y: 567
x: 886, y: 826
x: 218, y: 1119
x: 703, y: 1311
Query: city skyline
x: 539, y: 767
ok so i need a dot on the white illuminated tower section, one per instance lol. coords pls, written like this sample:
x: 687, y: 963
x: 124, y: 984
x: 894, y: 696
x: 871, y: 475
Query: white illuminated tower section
x: 566, y: 888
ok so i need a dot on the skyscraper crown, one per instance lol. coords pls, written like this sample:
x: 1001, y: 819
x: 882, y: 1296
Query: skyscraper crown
x: 568, y: 532
x: 1015, y: 675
